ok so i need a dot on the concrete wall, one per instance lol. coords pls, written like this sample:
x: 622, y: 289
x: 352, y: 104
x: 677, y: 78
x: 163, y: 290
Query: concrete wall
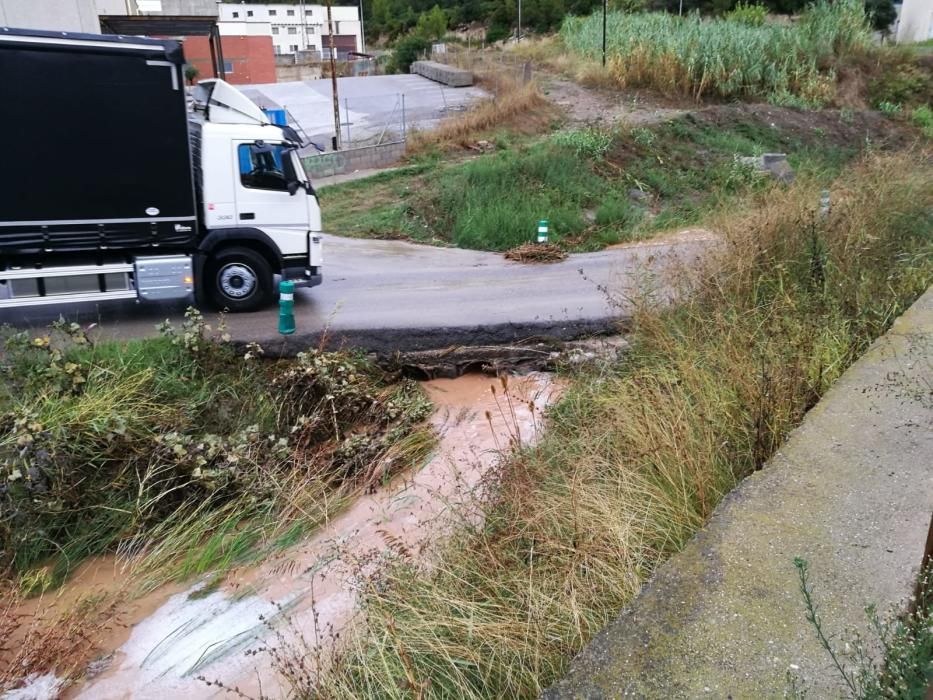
x: 915, y: 22
x: 206, y: 8
x: 341, y: 162
x: 250, y: 58
x: 290, y: 72
x: 57, y: 15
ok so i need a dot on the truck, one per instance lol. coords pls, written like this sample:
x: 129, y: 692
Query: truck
x: 120, y: 182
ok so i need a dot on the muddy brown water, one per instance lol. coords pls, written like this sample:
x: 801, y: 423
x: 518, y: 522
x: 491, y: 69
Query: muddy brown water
x: 162, y: 642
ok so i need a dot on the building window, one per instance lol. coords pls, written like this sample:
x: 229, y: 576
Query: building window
x: 309, y: 13
x: 275, y: 30
x: 290, y: 13
x: 293, y: 47
x: 293, y: 30
x: 249, y: 13
x: 235, y: 15
x: 228, y: 67
x: 273, y: 13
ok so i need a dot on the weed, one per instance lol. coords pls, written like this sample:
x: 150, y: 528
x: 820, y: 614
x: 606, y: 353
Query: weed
x: 591, y: 142
x: 905, y: 642
x: 889, y: 108
x: 922, y: 117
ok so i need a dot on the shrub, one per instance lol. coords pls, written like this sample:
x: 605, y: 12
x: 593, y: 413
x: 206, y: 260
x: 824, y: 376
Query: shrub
x: 407, y: 50
x: 747, y: 13
x: 900, y: 81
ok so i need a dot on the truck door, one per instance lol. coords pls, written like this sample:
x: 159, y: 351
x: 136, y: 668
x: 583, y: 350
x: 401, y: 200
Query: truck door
x: 262, y: 197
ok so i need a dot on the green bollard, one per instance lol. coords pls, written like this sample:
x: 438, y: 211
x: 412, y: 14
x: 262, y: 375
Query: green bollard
x: 542, y: 231
x: 286, y: 307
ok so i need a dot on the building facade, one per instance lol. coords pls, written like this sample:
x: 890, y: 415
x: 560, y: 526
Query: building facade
x: 55, y: 15
x: 914, y: 21
x: 300, y: 27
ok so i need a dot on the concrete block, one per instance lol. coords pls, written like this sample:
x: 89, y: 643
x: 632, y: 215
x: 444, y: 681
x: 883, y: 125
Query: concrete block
x: 446, y: 75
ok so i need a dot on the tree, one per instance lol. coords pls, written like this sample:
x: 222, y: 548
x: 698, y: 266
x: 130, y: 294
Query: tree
x: 408, y: 49
x: 432, y: 25
x: 191, y: 73
x: 882, y: 13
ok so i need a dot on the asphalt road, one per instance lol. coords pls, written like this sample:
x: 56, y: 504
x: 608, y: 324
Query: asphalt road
x: 385, y: 296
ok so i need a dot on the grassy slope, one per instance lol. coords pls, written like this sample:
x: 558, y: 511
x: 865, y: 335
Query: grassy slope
x: 637, y: 455
x: 582, y: 182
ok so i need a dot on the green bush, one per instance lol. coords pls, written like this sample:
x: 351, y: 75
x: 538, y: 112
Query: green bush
x: 407, y: 50
x: 746, y: 13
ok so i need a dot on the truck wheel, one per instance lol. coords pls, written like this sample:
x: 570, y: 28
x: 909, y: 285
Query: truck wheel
x: 240, y: 279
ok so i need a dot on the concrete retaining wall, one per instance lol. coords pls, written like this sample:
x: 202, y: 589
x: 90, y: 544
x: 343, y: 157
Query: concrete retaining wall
x: 446, y: 75
x: 850, y: 492
x: 365, y: 158
x: 298, y: 71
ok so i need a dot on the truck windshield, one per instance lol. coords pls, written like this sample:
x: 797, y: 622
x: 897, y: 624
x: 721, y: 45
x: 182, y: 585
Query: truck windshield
x: 261, y: 166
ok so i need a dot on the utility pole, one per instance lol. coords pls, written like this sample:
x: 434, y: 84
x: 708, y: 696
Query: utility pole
x: 333, y: 76
x: 363, y: 30
x: 304, y: 27
x: 605, y: 10
x: 519, y: 20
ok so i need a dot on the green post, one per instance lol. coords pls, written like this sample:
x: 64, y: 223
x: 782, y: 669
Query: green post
x: 286, y: 307
x: 542, y: 231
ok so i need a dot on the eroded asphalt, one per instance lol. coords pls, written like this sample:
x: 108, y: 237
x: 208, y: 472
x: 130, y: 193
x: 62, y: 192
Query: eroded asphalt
x: 387, y: 296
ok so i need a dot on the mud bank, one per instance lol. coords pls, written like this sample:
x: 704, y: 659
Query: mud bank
x: 169, y: 642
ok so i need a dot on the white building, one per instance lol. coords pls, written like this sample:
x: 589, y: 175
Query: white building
x: 299, y: 27
x: 914, y: 21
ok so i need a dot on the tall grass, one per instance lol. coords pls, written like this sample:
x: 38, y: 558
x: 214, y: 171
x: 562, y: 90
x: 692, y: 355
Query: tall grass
x: 638, y: 454
x: 718, y: 57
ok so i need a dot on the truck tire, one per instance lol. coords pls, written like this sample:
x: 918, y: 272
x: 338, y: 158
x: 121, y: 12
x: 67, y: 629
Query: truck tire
x: 239, y: 279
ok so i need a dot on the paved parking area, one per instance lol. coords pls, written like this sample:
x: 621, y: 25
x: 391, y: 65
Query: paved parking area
x: 374, y: 103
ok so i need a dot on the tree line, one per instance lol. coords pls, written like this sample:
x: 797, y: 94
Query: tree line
x: 429, y: 20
